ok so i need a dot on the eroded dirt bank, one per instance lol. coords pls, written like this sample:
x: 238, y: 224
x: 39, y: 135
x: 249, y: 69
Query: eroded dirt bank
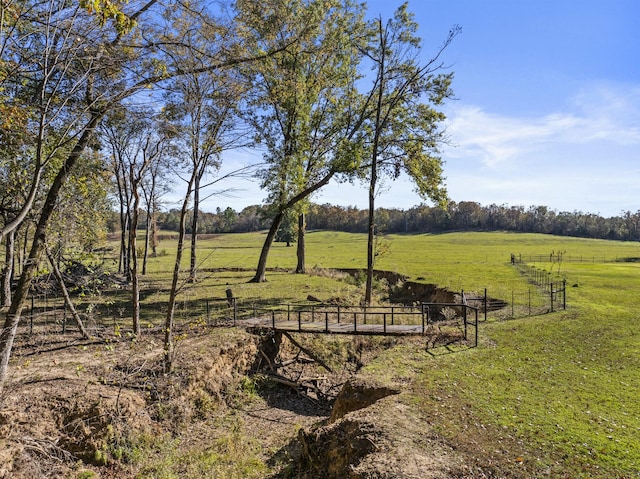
x: 92, y: 409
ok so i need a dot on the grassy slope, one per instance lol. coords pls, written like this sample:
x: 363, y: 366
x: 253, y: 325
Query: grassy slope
x: 553, y: 396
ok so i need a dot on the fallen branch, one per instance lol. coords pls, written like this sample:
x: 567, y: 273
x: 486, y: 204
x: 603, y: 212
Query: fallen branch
x: 308, y: 352
x: 285, y: 382
x: 65, y: 294
x: 264, y: 355
x: 299, y: 387
x: 47, y: 448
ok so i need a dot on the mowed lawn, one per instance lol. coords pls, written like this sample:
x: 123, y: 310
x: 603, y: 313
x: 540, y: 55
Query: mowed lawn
x: 556, y: 395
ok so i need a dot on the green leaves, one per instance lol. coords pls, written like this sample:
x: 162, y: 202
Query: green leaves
x: 106, y: 10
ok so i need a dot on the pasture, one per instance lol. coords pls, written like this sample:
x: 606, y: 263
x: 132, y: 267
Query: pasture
x: 555, y: 395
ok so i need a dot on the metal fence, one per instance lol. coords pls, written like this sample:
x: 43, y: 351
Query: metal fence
x: 48, y: 313
x: 559, y: 258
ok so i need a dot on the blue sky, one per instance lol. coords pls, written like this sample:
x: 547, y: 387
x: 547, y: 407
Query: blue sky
x: 547, y: 109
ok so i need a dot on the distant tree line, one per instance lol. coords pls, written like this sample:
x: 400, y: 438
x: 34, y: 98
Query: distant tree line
x: 462, y: 216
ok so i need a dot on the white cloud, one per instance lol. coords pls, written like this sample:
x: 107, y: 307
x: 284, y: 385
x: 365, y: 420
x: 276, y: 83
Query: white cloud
x: 583, y: 156
x: 603, y: 115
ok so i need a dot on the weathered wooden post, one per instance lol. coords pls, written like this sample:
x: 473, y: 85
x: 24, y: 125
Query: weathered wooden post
x: 476, y: 328
x: 486, y: 304
x: 464, y: 318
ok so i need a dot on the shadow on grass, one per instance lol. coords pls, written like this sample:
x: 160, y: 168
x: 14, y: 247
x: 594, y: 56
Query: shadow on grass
x: 451, y: 347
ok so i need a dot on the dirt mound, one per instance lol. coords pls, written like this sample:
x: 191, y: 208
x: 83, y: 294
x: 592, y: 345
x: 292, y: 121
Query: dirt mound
x: 76, y: 407
x: 383, y: 440
x: 358, y: 394
x: 48, y: 425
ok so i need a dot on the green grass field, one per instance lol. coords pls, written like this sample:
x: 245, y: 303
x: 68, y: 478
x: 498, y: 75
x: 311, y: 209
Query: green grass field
x: 556, y: 395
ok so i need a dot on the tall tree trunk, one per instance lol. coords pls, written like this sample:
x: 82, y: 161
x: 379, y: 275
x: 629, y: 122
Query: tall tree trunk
x: 7, y: 270
x: 193, y: 270
x: 168, y: 324
x: 373, y: 180
x: 372, y: 214
x: 300, y: 252
x: 147, y: 233
x: 154, y: 232
x: 370, y: 237
x: 128, y: 247
x: 10, y: 328
x: 65, y: 294
x: 24, y: 250
x: 260, y: 276
x: 133, y: 260
x: 123, y: 239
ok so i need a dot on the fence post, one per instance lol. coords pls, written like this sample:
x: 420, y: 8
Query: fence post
x: 513, y: 300
x: 551, y: 296
x: 486, y: 304
x: 326, y: 321
x: 564, y: 294
x: 464, y: 318
x: 384, y: 323
x: 273, y: 319
x: 423, y: 318
x: 355, y: 321
x: 299, y: 320
x: 208, y: 312
x: 476, y: 328
x: 288, y: 312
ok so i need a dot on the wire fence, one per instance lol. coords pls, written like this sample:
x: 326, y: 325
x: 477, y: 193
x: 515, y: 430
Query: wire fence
x: 557, y: 258
x: 48, y: 314
x: 112, y: 312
